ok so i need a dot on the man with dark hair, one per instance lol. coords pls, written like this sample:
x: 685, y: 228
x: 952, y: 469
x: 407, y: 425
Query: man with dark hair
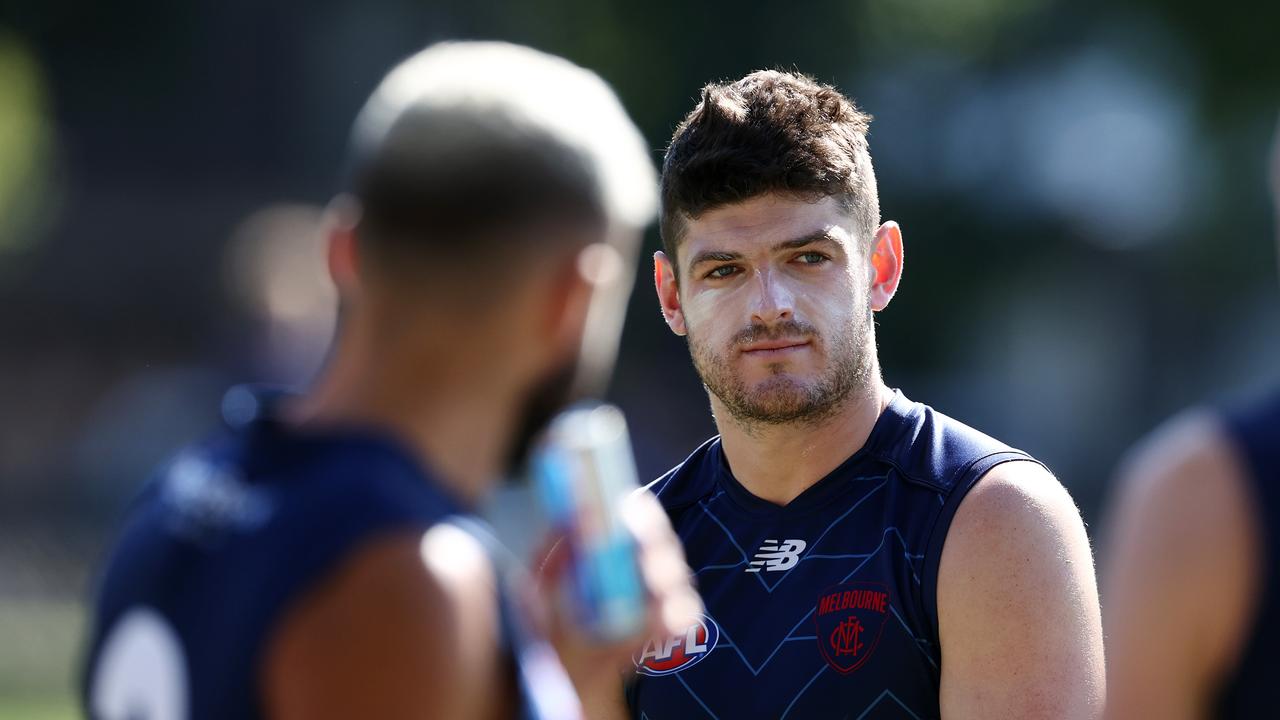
x: 319, y: 558
x: 860, y: 555
x: 1192, y: 572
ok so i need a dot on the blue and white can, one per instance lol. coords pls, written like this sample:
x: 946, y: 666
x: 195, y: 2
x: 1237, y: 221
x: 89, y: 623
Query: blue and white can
x: 584, y: 469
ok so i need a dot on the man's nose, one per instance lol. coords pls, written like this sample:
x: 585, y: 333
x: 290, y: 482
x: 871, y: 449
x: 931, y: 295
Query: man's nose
x: 773, y: 300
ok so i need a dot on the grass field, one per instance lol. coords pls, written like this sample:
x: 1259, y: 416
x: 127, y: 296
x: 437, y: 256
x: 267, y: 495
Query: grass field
x: 39, y: 642
x: 38, y: 708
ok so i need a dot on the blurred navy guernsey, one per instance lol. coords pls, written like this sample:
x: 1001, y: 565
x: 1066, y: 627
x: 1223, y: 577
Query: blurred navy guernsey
x: 825, y: 607
x: 231, y: 534
x: 1249, y: 689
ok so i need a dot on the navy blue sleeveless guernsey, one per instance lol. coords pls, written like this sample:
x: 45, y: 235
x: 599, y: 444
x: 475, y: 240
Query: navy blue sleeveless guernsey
x: 1251, y: 691
x: 228, y: 536
x: 825, y: 607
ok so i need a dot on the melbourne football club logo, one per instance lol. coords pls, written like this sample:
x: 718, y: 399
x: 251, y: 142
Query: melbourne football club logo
x: 850, y: 619
x: 665, y: 656
x: 774, y: 555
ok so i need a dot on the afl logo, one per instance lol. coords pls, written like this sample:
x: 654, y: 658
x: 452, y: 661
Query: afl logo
x: 666, y: 656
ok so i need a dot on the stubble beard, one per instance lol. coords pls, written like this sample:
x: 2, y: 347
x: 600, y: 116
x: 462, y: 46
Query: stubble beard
x: 783, y: 399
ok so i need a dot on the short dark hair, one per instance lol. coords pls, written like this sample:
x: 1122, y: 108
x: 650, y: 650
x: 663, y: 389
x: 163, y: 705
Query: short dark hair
x: 449, y: 179
x: 465, y: 141
x: 771, y: 131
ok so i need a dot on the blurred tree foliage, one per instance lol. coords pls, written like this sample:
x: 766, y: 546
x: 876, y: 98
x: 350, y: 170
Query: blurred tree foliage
x: 187, y: 115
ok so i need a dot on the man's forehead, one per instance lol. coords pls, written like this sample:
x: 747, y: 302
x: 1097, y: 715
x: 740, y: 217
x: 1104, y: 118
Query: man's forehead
x: 765, y: 221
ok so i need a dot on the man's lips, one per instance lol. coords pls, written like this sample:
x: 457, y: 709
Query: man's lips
x: 773, y: 347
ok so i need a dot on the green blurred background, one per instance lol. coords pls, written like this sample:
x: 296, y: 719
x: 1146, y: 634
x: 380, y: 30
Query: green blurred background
x: 1081, y: 185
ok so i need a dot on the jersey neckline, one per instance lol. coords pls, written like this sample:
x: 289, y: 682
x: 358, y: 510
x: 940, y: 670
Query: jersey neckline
x: 259, y: 422
x: 839, y: 480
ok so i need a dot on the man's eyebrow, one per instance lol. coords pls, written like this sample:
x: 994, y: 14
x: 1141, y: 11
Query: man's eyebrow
x: 821, y: 236
x: 714, y: 256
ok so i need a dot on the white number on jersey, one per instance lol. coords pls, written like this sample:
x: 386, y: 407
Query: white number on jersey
x: 141, y: 672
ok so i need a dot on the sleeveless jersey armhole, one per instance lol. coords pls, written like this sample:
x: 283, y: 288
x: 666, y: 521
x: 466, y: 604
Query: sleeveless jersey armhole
x: 967, y: 478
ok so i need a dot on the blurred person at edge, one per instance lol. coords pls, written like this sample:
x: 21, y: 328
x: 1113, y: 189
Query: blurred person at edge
x: 320, y: 558
x: 859, y: 554
x: 1192, y: 569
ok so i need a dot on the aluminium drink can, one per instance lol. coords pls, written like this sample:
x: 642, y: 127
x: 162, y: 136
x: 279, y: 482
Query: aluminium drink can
x: 584, y: 470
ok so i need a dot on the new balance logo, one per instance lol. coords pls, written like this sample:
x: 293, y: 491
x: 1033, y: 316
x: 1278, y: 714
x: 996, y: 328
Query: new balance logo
x: 773, y: 555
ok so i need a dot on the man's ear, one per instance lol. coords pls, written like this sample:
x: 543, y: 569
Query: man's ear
x: 569, y: 303
x: 664, y: 281
x: 340, y: 220
x: 566, y: 304
x: 886, y: 262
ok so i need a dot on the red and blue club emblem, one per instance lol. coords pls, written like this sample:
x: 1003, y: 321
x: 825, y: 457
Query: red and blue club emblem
x: 850, y: 618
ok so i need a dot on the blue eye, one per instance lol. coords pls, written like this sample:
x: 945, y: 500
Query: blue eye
x: 723, y: 271
x: 812, y: 258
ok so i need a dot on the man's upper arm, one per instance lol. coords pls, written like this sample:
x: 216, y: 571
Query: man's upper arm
x: 405, y: 628
x: 1177, y: 572
x: 1018, y: 603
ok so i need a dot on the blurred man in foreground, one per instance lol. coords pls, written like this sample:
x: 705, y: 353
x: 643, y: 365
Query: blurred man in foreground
x: 860, y: 555
x: 319, y: 558
x: 1192, y: 570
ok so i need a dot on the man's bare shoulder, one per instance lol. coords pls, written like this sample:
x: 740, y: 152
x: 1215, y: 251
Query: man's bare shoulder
x: 407, y: 625
x: 1016, y: 514
x: 1181, y: 507
x: 1018, y: 609
x: 1184, y: 464
x: 1017, y: 496
x: 1180, y: 520
x: 1020, y: 524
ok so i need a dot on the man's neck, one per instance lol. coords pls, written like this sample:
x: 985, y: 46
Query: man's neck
x: 457, y: 429
x: 779, y: 462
